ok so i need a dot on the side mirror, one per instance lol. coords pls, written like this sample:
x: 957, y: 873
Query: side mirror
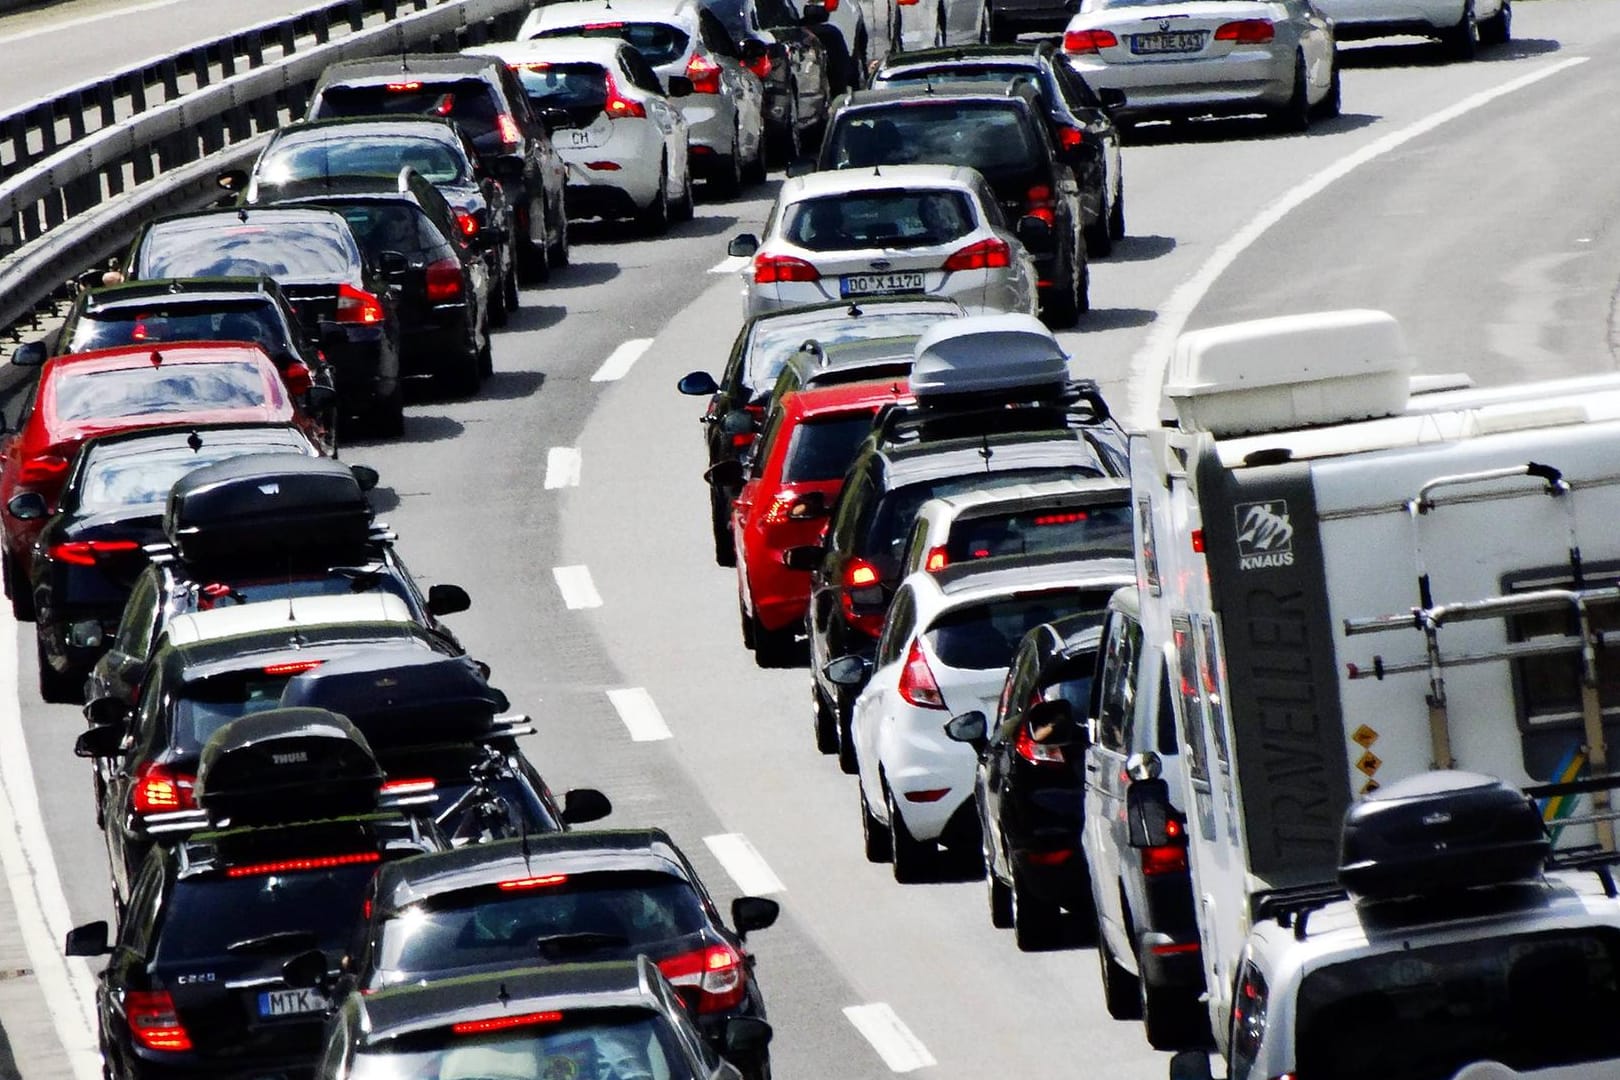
x: 752, y: 50
x: 746, y: 1037
x: 698, y: 384
x: 743, y: 245
x: 680, y: 86
x: 102, y: 741
x: 307, y: 969
x: 810, y: 505
x: 1144, y: 766
x: 584, y: 805
x: 91, y: 939
x: 1113, y: 99
x: 1148, y: 814
x: 847, y: 670
x: 447, y: 600
x: 801, y: 167
x: 814, y: 15
x: 804, y: 557
x: 392, y: 263
x: 1051, y: 723
x: 29, y: 354
x: 28, y: 506
x: 107, y: 712
x: 968, y: 727
x: 1034, y: 233
x: 1190, y: 1065
x: 726, y: 473
x: 320, y: 399
x: 750, y: 913
x: 365, y: 476
x: 234, y: 180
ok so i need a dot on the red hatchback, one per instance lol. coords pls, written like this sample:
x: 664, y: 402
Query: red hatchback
x: 806, y: 446
x: 82, y: 395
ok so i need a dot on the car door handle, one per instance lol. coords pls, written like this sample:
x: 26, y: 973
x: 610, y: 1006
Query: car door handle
x: 1093, y: 768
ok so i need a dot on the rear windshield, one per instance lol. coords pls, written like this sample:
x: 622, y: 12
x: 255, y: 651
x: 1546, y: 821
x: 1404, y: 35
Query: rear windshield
x: 469, y: 102
x: 210, y: 704
x: 209, y: 915
x: 772, y: 344
x: 382, y: 225
x: 579, y: 1044
x: 146, y: 391
x: 895, y: 513
x: 244, y: 320
x: 1092, y: 530
x: 223, y: 246
x: 984, y: 636
x: 821, y: 449
x: 114, y: 480
x: 994, y: 74
x: 989, y: 136
x: 880, y: 219
x: 491, y: 926
x: 375, y: 154
x: 658, y: 43
x: 564, y: 86
x: 1531, y: 1002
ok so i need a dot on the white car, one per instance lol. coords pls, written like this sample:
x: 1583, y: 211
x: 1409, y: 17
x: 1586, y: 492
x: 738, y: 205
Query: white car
x: 725, y: 112
x: 927, y: 24
x: 944, y: 651
x: 1462, y: 25
x: 1182, y: 58
x: 622, y: 141
x: 897, y: 230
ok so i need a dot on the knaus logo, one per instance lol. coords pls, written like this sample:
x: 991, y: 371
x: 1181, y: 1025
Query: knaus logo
x: 1265, y: 535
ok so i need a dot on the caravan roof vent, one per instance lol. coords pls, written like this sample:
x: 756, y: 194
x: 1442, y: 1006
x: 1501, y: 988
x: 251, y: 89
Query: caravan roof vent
x: 428, y: 699
x: 1295, y: 371
x: 266, y: 505
x: 287, y: 765
x: 1441, y: 832
x: 1012, y: 357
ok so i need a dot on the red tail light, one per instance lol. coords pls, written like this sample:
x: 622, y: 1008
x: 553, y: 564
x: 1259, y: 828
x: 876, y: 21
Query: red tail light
x: 1070, y: 138
x: 704, y: 73
x: 397, y: 87
x: 1088, y: 41
x: 761, y: 65
x: 863, y: 585
x: 1036, y: 753
x: 292, y: 667
x: 1068, y: 518
x: 159, y: 789
x: 543, y: 882
x: 297, y: 866
x: 710, y: 978
x: 358, y: 306
x: 503, y: 1023
x: 617, y: 105
x: 508, y: 129
x: 917, y: 684
x: 1247, y: 32
x: 937, y: 560
x: 443, y: 280
x: 1040, y: 203
x: 1049, y: 858
x: 769, y: 269
x: 44, y: 469
x: 984, y: 255
x: 830, y: 5
x: 86, y: 552
x: 1168, y: 858
x: 415, y: 785
x: 445, y: 105
x: 153, y: 1021
x: 297, y: 378
x: 467, y: 224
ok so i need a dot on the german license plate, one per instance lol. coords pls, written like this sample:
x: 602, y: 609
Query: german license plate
x: 877, y: 284
x: 1174, y: 41
x: 291, y: 1002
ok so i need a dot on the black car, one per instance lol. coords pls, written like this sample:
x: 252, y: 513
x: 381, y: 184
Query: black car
x: 1001, y: 133
x: 313, y: 255
x: 603, y: 1021
x: 1081, y: 128
x: 484, y: 97
x: 597, y: 895
x: 272, y: 869
x: 791, y: 61
x: 93, y: 548
x: 444, y: 293
x: 378, y: 147
x: 758, y: 354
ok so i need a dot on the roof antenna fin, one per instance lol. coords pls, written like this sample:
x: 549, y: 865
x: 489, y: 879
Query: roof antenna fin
x: 194, y: 441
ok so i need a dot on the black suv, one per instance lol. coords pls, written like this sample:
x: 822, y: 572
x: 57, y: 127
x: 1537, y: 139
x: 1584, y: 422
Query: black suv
x: 1000, y: 132
x: 484, y: 97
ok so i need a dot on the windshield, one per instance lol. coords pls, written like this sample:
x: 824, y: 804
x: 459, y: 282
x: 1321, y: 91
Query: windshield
x: 585, y: 1044
x: 879, y: 219
x: 256, y: 321
x: 993, y: 74
x: 113, y: 480
x: 215, y: 913
x: 376, y: 153
x: 821, y: 449
x: 984, y: 636
x: 658, y: 43
x: 564, y: 86
x: 891, y: 525
x: 150, y: 390
x: 774, y: 342
x: 303, y: 250
x: 990, y: 136
x: 469, y: 102
x: 1091, y: 530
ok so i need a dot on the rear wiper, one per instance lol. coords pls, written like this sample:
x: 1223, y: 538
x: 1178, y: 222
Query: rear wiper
x: 290, y: 940
x: 556, y: 946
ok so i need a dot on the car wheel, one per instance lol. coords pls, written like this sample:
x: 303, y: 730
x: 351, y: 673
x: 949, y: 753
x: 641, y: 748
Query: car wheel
x: 725, y: 548
x: 1062, y: 303
x: 775, y: 648
x: 909, y: 858
x: 999, y: 895
x: 761, y: 1069
x: 1174, y: 1019
x: 534, y: 258
x: 754, y: 171
x: 1037, y: 923
x: 786, y: 141
x: 510, y: 296
x: 559, y: 253
x: 462, y: 375
x: 22, y: 597
x: 497, y: 303
x: 1462, y: 40
x: 874, y: 835
x: 684, y: 208
x: 654, y: 220
x: 857, y: 62
x: 826, y: 724
x: 1295, y: 116
x: 1099, y: 241
x: 1329, y: 106
x: 727, y: 178
x: 486, y: 357
x: 1116, y: 215
x: 388, y: 415
x: 847, y: 761
x: 1499, y: 29
x: 747, y: 624
x: 1121, y: 992
x: 939, y: 28
x: 55, y: 687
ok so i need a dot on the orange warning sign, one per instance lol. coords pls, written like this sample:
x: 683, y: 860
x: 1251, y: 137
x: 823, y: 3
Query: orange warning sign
x: 1369, y: 763
x: 1364, y: 736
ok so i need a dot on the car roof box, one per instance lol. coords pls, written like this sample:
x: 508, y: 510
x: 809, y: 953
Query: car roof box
x: 981, y: 359
x: 430, y: 699
x: 1440, y: 832
x: 267, y: 506
x: 285, y: 765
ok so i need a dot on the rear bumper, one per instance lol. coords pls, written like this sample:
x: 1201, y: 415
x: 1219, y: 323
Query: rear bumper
x: 1170, y: 960
x: 1360, y: 19
x: 981, y: 292
x: 437, y: 342
x: 154, y: 1066
x: 1236, y: 83
x: 362, y: 373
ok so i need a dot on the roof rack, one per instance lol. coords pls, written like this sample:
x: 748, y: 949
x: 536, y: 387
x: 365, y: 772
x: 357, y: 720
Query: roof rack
x: 1292, y: 906
x: 1078, y: 404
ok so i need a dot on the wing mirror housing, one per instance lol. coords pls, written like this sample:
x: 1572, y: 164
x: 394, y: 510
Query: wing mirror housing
x: 698, y: 384
x: 101, y: 741
x: 447, y: 600
x: 106, y: 712
x: 743, y: 245
x: 91, y: 939
x: 29, y: 354
x: 584, y: 805
x: 556, y: 119
x: 814, y: 15
x: 750, y: 913
x: 752, y: 50
x: 801, y: 167
x: 810, y: 505
x: 509, y: 169
x: 1112, y: 99
x: 848, y: 671
x: 320, y: 399
x: 1144, y: 766
x: 680, y: 86
x: 233, y: 180
x: 726, y: 473
x: 804, y: 557
x: 737, y: 422
x: 365, y: 476
x: 28, y: 506
x: 969, y: 727
x: 746, y: 1037
x: 1034, y: 233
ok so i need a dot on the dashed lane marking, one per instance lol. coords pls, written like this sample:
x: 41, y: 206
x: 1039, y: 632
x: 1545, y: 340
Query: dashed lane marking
x: 900, y: 1050
x: 577, y: 588
x: 731, y: 264
x: 620, y: 360
x: 640, y: 714
x: 744, y: 863
x: 562, y: 467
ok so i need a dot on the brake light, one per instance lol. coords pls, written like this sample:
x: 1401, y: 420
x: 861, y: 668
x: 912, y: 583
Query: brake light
x: 927, y: 795
x: 617, y: 106
x: 917, y: 684
x: 830, y: 5
x: 443, y: 280
x: 761, y: 65
x: 503, y: 1023
x: 297, y: 378
x: 398, y: 87
x: 159, y: 789
x: 770, y: 269
x: 467, y: 224
x: 1088, y: 41
x: 1055, y: 857
x: 358, y: 306
x: 43, y: 469
x: 1163, y: 859
x: 984, y: 255
x: 704, y: 73
x: 604, y: 26
x: 1069, y: 518
x: 1070, y: 138
x: 296, y: 866
x: 1179, y: 948
x: 542, y: 882
x: 863, y: 585
x: 85, y: 552
x: 445, y: 105
x: 860, y: 574
x: 937, y: 560
x: 713, y: 975
x: 292, y: 667
x: 411, y: 786
x: 1040, y: 203
x: 508, y: 129
x: 1036, y: 753
x: 1247, y: 32
x: 153, y: 1021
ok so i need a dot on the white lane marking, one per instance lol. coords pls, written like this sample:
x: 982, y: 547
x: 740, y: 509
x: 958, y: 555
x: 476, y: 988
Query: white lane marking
x: 744, y: 863
x: 577, y: 588
x: 729, y: 265
x: 900, y: 1050
x: 1147, y: 366
x: 43, y: 915
x: 618, y: 363
x: 562, y: 467
x: 640, y: 714
x: 84, y: 20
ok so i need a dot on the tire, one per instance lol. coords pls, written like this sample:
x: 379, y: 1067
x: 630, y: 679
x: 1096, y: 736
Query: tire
x: 786, y: 143
x: 559, y: 253
x: 22, y: 597
x: 1462, y: 40
x: 685, y: 207
x: 510, y: 296
x: 1098, y: 235
x: 465, y: 376
x: 1122, y: 992
x: 909, y: 858
x: 654, y: 219
x: 725, y: 548
x: 1037, y: 923
x: 874, y: 836
x: 56, y: 688
x: 1498, y: 30
x: 754, y: 171
x: 1295, y: 117
x: 987, y: 24
x: 534, y: 261
x: 486, y: 357
x: 747, y: 624
x: 498, y: 311
x: 857, y: 61
x: 774, y: 648
x: 1062, y: 304
x: 847, y: 761
x: 388, y: 416
x: 1116, y: 215
x: 939, y: 28
x: 826, y: 724
x: 999, y: 895
x: 1174, y: 1019
x: 727, y: 179
x: 1329, y: 106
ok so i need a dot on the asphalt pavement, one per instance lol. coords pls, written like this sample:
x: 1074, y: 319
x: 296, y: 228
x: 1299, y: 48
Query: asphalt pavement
x: 1473, y: 201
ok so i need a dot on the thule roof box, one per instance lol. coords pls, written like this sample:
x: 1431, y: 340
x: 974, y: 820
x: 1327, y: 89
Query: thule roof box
x: 267, y: 506
x: 984, y: 358
x: 430, y: 699
x: 286, y: 765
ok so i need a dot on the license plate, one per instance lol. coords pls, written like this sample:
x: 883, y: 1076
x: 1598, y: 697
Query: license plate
x: 876, y: 284
x: 579, y: 137
x: 1175, y: 41
x: 291, y: 1002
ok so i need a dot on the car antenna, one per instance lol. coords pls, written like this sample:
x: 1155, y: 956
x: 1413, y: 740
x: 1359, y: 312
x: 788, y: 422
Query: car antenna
x: 404, y: 63
x: 241, y: 214
x: 194, y: 441
x: 984, y: 449
x: 502, y: 996
x: 855, y: 311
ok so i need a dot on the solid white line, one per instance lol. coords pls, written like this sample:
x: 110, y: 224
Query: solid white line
x: 900, y: 1050
x: 729, y: 265
x: 618, y: 363
x: 746, y: 866
x: 562, y: 467
x: 640, y: 714
x: 578, y: 590
x: 84, y: 20
x: 1147, y: 366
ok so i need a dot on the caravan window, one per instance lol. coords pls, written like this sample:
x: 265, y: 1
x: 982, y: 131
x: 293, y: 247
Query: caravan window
x: 1209, y: 671
x: 1190, y: 691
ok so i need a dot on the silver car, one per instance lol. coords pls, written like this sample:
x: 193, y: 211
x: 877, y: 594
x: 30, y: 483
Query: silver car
x: 1178, y: 58
x: 925, y: 230
x: 724, y: 112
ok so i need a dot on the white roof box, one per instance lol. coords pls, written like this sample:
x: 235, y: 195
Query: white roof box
x: 1291, y: 372
x: 987, y: 356
x: 293, y: 613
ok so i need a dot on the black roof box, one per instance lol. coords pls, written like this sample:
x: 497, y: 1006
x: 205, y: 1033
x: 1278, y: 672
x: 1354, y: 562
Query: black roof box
x: 286, y: 765
x: 1441, y: 832
x: 267, y: 506
x: 429, y: 699
x: 982, y: 358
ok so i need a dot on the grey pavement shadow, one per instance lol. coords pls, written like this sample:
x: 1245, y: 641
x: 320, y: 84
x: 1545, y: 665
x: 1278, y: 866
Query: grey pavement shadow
x: 1098, y: 319
x: 1139, y: 249
x: 511, y: 385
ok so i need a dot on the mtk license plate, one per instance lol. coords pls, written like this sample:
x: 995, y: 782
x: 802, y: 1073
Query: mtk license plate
x: 291, y: 1002
x: 1175, y: 41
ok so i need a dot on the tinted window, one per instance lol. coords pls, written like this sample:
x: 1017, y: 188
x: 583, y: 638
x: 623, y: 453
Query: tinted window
x: 258, y: 321
x: 990, y: 136
x: 392, y: 226
x: 772, y: 343
x: 247, y: 589
x: 563, y: 86
x: 225, y: 247
x: 715, y: 36
x: 985, y: 636
x: 111, y: 480
x: 584, y: 1043
x: 733, y: 15
x: 1076, y: 91
x: 658, y: 43
x: 777, y: 13
x: 867, y: 219
x: 207, y: 916
x: 993, y: 74
x: 823, y: 448
x: 146, y: 391
x: 892, y: 523
x: 208, y: 705
x: 1096, y: 530
x: 639, y: 72
x: 375, y: 153
x: 469, y: 102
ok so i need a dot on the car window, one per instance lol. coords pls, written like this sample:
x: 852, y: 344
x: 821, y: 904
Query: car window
x: 879, y: 219
x: 715, y: 36
x: 823, y: 447
x: 778, y: 14
x: 151, y: 390
x: 774, y: 341
x: 386, y: 225
x: 856, y: 504
x: 111, y: 480
x: 992, y: 73
x: 983, y: 636
x: 224, y: 246
x: 563, y: 86
x: 993, y: 137
x: 764, y: 447
x: 1089, y: 530
x: 1020, y: 681
x: 135, y: 628
x: 639, y: 72
x: 888, y: 529
x: 217, y: 918
x: 1249, y: 1008
x: 897, y: 627
x: 377, y: 154
x: 1190, y: 693
x: 255, y: 320
x: 1073, y: 86
x: 585, y: 1043
x: 658, y: 43
x: 135, y: 931
x: 733, y: 16
x: 469, y: 102
x: 1119, y: 684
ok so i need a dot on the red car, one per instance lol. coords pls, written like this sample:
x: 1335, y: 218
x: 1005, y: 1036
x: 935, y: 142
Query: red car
x: 82, y: 395
x: 805, y: 448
